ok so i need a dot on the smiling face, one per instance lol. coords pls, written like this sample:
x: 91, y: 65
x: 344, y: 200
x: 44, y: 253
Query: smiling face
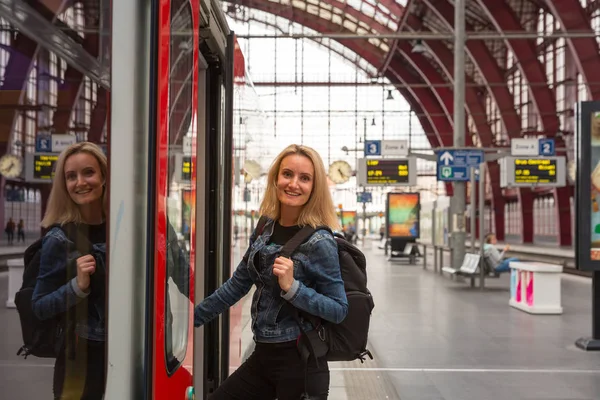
x: 84, y: 179
x: 295, y: 182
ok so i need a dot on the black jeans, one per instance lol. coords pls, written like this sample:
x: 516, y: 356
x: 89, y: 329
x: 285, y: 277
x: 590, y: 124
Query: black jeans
x: 275, y: 371
x: 82, y: 378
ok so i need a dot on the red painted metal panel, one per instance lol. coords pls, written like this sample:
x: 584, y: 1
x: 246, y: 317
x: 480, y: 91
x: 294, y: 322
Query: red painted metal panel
x: 167, y: 386
x: 504, y: 19
x: 574, y: 18
x: 496, y: 85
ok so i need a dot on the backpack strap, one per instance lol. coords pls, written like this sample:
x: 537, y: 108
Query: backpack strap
x: 291, y: 245
x: 260, y: 226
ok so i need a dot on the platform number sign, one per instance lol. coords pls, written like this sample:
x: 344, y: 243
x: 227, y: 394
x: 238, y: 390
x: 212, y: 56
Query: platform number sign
x: 546, y: 147
x: 373, y: 148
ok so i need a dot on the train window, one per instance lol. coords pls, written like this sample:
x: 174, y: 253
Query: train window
x: 180, y: 200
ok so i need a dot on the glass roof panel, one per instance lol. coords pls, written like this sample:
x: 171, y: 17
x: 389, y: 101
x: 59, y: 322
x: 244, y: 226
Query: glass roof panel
x: 354, y: 3
x: 368, y: 9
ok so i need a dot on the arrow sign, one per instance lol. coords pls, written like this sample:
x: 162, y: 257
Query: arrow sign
x: 446, y: 158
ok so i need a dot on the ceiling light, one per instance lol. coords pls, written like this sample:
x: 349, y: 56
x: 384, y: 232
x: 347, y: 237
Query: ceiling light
x: 418, y: 47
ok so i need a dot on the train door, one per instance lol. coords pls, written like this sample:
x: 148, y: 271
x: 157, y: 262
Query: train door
x: 173, y: 244
x: 216, y: 108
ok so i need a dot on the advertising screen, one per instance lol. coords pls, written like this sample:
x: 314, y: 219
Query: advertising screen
x: 403, y: 215
x: 587, y: 232
x: 348, y: 218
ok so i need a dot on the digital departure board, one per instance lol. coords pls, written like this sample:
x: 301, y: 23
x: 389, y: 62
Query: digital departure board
x: 384, y: 171
x: 39, y: 167
x: 186, y: 168
x: 533, y: 171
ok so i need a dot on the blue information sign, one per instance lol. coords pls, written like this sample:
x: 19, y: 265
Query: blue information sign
x: 43, y: 144
x: 546, y: 147
x: 455, y: 165
x: 364, y: 197
x: 372, y: 148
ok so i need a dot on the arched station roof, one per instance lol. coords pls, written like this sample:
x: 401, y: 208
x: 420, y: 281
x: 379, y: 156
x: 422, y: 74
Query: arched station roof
x: 512, y: 87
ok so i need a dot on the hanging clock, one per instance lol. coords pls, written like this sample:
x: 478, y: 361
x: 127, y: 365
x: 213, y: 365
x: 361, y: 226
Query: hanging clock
x: 11, y: 166
x: 340, y: 171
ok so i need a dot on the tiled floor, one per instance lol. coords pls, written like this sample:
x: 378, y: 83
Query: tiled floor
x: 433, y: 339
x: 439, y: 339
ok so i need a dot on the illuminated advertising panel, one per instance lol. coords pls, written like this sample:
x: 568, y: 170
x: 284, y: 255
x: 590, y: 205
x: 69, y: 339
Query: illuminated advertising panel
x: 403, y: 214
x: 587, y: 193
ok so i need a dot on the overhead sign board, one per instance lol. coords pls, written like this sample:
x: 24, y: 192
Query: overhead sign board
x: 43, y: 144
x: 372, y: 148
x: 61, y: 142
x: 533, y: 171
x: 39, y: 167
x: 532, y: 147
x: 455, y: 165
x: 388, y: 171
x: 547, y: 147
x: 398, y: 148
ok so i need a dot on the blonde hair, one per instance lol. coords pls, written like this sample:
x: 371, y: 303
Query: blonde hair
x: 61, y: 208
x: 319, y: 209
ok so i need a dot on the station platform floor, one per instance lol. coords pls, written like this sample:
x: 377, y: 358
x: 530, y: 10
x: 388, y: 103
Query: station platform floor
x: 433, y: 338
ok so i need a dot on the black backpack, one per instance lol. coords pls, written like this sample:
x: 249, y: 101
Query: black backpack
x: 346, y: 341
x: 42, y: 338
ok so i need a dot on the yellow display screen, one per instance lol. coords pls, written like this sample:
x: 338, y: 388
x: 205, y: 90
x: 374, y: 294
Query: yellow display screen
x: 43, y: 166
x: 381, y: 172
x: 186, y: 168
x: 535, y: 170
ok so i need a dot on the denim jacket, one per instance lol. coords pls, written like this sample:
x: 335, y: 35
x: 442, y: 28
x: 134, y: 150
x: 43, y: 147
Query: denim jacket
x: 318, y: 288
x: 52, y: 296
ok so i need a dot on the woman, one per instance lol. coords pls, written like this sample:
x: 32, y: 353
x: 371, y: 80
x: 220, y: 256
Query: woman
x: 297, y: 195
x: 72, y: 276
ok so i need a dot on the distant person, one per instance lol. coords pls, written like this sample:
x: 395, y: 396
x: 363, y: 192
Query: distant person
x: 495, y: 258
x: 21, y: 231
x: 381, y: 232
x: 72, y: 276
x: 10, y: 230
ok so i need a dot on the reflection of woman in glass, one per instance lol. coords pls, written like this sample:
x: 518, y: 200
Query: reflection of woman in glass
x: 75, y: 247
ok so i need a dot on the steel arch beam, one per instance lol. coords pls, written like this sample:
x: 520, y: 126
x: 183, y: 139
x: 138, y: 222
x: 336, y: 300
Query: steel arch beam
x: 363, y: 48
x: 476, y: 110
x: 372, y: 55
x: 496, y: 85
x: 431, y: 105
x: 375, y: 57
x: 504, y: 19
x: 426, y: 125
x: 274, y: 26
x: 99, y: 114
x: 69, y: 91
x: 11, y: 91
x: 573, y: 17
